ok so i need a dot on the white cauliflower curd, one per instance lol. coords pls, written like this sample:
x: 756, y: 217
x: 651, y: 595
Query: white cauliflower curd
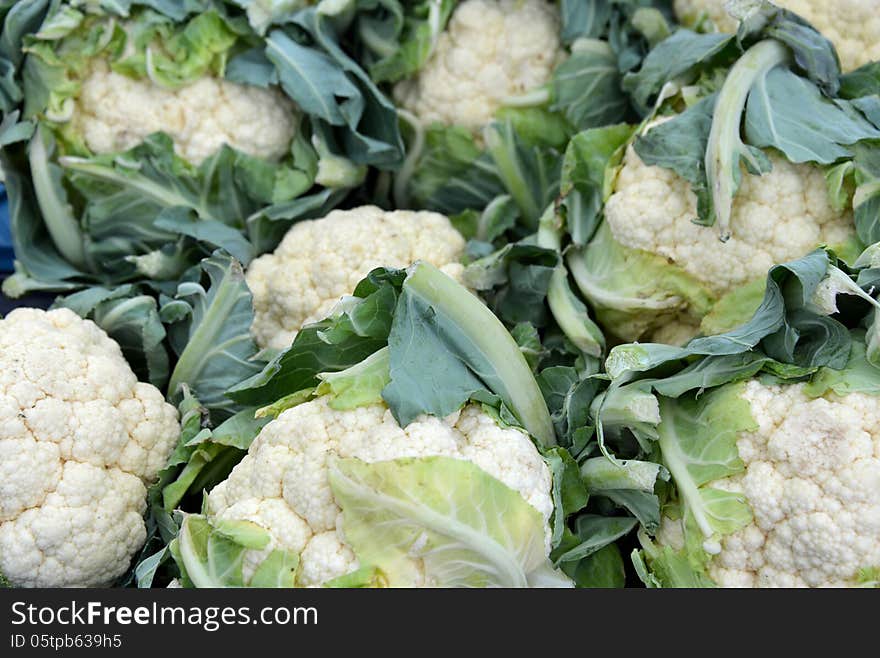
x: 853, y: 26
x: 114, y: 112
x: 777, y: 217
x: 80, y: 438
x: 492, y: 50
x: 320, y: 261
x: 282, y: 483
x: 812, y: 481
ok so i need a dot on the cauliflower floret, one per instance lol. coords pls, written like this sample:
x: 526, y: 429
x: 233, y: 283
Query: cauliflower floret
x: 288, y: 463
x: 80, y: 438
x: 812, y: 479
x: 320, y: 261
x: 490, y: 51
x: 777, y: 217
x: 853, y: 26
x: 114, y: 112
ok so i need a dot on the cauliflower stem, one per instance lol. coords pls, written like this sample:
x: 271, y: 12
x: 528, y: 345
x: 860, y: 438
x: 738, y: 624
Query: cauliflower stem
x: 569, y: 312
x: 60, y: 222
x: 726, y: 148
x: 480, y: 326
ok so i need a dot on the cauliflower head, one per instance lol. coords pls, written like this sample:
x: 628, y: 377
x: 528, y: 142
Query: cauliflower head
x: 695, y: 277
x: 80, y: 438
x: 853, y: 26
x: 114, y: 112
x: 320, y: 261
x: 777, y: 217
x: 283, y: 483
x: 491, y: 50
x: 810, y: 477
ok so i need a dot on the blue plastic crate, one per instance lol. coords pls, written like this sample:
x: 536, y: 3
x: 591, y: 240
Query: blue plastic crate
x: 6, y: 256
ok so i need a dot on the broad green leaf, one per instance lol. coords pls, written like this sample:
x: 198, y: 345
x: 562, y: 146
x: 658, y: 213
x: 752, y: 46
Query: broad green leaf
x: 672, y: 58
x: 866, y: 201
x: 452, y: 173
x: 698, y: 445
x: 591, y: 158
x: 791, y: 115
x: 584, y: 19
x: 357, y: 386
x: 312, y: 79
x: 787, y: 331
x: 735, y: 308
x: 813, y: 52
x: 331, y: 345
x: 529, y: 174
x: 858, y: 376
x: 442, y: 517
x: 219, y: 349
x: 586, y: 87
x: 601, y: 475
x: 441, y: 328
x: 277, y: 570
x: 591, y: 534
x: 569, y: 493
x: 515, y: 281
x: 628, y: 484
x: 603, y: 569
x: 569, y: 393
x: 680, y: 144
x: 402, y: 52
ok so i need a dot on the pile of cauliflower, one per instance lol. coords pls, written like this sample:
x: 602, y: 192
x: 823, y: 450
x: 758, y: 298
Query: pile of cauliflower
x: 80, y: 440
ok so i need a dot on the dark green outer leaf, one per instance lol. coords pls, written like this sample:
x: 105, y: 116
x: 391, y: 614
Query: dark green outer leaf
x: 864, y: 81
x: 442, y: 329
x: 813, y: 52
x: 591, y: 534
x: 374, y: 138
x: 331, y: 345
x: 569, y: 492
x: 220, y: 350
x: 23, y: 18
x: 670, y: 59
x: 867, y: 201
x: 602, y: 569
x: 585, y: 170
x: 790, y: 114
x: 34, y: 249
x: 584, y: 18
x: 680, y: 144
x: 587, y: 88
x: 416, y: 44
x: 453, y: 174
x: 313, y: 80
